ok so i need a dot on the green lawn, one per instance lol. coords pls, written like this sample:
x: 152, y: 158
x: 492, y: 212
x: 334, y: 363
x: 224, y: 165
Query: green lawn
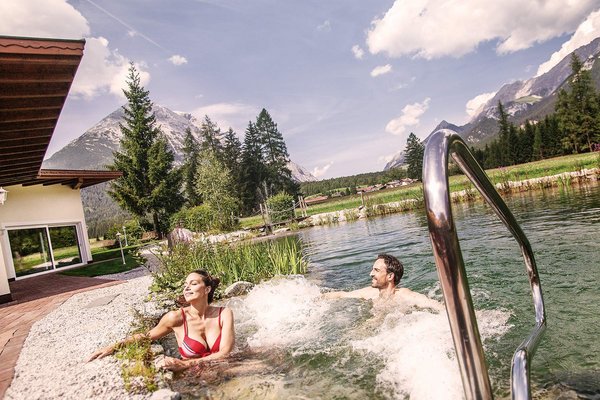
x: 112, y: 266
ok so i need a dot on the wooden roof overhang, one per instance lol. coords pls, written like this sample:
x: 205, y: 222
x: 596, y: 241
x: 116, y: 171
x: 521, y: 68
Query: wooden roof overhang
x: 35, y: 78
x: 76, y: 179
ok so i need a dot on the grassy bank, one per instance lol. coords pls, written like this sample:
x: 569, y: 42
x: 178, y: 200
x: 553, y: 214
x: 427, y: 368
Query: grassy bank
x: 536, y: 169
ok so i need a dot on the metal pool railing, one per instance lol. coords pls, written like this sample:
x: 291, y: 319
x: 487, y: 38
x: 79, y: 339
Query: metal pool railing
x: 451, y: 268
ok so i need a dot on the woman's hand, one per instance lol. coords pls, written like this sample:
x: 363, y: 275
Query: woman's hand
x: 103, y: 352
x: 172, y: 364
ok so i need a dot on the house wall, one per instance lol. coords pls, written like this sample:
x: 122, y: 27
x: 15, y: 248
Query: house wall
x: 39, y: 205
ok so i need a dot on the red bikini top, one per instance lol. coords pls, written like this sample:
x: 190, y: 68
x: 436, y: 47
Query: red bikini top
x: 191, y: 348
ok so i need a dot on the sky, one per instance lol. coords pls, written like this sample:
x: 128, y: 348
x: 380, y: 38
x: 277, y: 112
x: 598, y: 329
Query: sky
x: 345, y: 80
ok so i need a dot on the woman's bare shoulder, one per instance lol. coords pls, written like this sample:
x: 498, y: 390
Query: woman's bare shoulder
x: 172, y: 318
x: 225, y: 311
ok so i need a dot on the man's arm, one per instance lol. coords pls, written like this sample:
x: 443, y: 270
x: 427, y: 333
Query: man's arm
x: 420, y: 300
x: 364, y: 293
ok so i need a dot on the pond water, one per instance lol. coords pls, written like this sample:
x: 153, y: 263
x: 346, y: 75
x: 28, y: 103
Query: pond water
x: 295, y: 344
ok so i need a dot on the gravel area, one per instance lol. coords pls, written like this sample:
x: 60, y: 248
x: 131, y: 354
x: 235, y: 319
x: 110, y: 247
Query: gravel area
x: 52, y: 364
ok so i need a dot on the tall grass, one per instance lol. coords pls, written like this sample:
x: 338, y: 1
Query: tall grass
x: 251, y: 262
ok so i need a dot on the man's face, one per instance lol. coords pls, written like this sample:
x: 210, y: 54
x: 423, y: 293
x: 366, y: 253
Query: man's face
x: 379, y: 275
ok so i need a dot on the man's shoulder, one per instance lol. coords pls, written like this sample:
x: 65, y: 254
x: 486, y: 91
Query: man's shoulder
x: 418, y: 299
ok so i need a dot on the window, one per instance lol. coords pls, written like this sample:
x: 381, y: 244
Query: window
x: 44, y: 248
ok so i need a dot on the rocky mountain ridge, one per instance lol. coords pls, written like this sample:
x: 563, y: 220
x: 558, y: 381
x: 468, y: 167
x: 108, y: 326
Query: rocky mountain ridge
x: 531, y: 99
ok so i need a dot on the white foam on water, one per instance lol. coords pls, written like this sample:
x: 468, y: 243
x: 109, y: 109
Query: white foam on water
x: 414, y: 347
x: 285, y: 312
x: 418, y: 352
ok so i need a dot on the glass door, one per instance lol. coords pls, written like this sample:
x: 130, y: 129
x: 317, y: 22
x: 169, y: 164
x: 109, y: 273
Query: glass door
x: 44, y: 248
x: 65, y: 246
x: 30, y: 250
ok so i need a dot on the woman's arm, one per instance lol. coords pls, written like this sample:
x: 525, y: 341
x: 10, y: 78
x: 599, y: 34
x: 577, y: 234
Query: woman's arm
x: 162, y: 329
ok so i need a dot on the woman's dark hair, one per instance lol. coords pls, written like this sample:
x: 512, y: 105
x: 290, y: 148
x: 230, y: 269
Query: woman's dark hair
x: 208, y: 280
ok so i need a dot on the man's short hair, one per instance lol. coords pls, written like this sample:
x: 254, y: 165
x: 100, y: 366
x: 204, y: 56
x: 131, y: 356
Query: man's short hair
x: 392, y: 264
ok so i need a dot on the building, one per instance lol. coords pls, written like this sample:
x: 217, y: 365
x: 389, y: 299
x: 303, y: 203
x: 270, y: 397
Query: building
x: 42, y: 225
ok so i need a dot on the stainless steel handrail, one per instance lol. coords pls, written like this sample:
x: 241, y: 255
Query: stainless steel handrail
x: 451, y: 268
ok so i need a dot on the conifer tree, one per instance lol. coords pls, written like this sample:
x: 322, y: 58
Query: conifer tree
x: 504, y: 137
x: 537, y: 150
x: 577, y: 110
x: 136, y: 191
x: 232, y: 153
x: 165, y: 182
x: 211, y: 134
x: 275, y: 156
x: 252, y: 169
x: 191, y: 154
x: 414, y: 157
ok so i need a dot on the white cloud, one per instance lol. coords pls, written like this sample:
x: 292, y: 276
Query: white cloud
x: 436, y: 28
x: 358, y: 52
x: 381, y: 70
x: 585, y: 33
x: 226, y: 115
x: 42, y: 18
x: 101, y: 70
x: 177, y: 59
x: 318, y: 172
x: 475, y: 105
x: 410, y: 116
x: 324, y: 27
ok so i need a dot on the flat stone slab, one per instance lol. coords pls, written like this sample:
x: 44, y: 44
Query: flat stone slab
x: 101, y: 301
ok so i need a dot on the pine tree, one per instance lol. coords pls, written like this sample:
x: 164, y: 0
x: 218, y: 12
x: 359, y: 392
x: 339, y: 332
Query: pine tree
x: 537, y: 152
x: 577, y: 110
x: 191, y: 154
x: 165, y: 182
x: 211, y: 137
x: 252, y: 169
x: 232, y: 153
x: 275, y: 156
x: 135, y: 191
x: 414, y: 157
x: 504, y: 140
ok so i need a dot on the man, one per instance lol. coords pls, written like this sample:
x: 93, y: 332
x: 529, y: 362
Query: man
x: 385, y: 276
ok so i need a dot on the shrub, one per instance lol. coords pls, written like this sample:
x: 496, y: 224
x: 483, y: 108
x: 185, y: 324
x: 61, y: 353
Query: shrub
x: 204, y: 219
x: 133, y: 230
x: 281, y: 207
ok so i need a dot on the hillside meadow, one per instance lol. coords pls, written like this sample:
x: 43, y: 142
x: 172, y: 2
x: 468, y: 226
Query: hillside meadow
x: 536, y: 169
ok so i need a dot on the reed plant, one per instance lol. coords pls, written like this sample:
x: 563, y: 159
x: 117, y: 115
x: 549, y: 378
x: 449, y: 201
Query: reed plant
x: 250, y: 261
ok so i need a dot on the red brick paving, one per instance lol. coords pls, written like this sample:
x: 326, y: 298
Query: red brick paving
x: 33, y: 298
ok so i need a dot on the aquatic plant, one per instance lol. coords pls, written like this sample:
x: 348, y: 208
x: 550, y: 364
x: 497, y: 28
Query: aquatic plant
x: 251, y: 262
x: 137, y: 367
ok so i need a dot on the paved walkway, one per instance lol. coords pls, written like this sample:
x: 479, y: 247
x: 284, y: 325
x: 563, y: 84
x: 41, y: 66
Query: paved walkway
x: 33, y: 298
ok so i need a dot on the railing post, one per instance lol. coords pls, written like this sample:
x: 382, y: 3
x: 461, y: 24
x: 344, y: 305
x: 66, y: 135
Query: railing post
x: 451, y: 270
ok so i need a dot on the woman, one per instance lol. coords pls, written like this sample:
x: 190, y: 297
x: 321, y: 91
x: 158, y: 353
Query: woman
x: 203, y: 332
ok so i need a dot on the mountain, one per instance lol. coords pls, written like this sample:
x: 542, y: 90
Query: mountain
x: 94, y: 149
x: 299, y: 174
x: 531, y: 100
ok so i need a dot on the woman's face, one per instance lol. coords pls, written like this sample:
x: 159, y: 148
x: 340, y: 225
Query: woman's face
x: 194, y: 287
